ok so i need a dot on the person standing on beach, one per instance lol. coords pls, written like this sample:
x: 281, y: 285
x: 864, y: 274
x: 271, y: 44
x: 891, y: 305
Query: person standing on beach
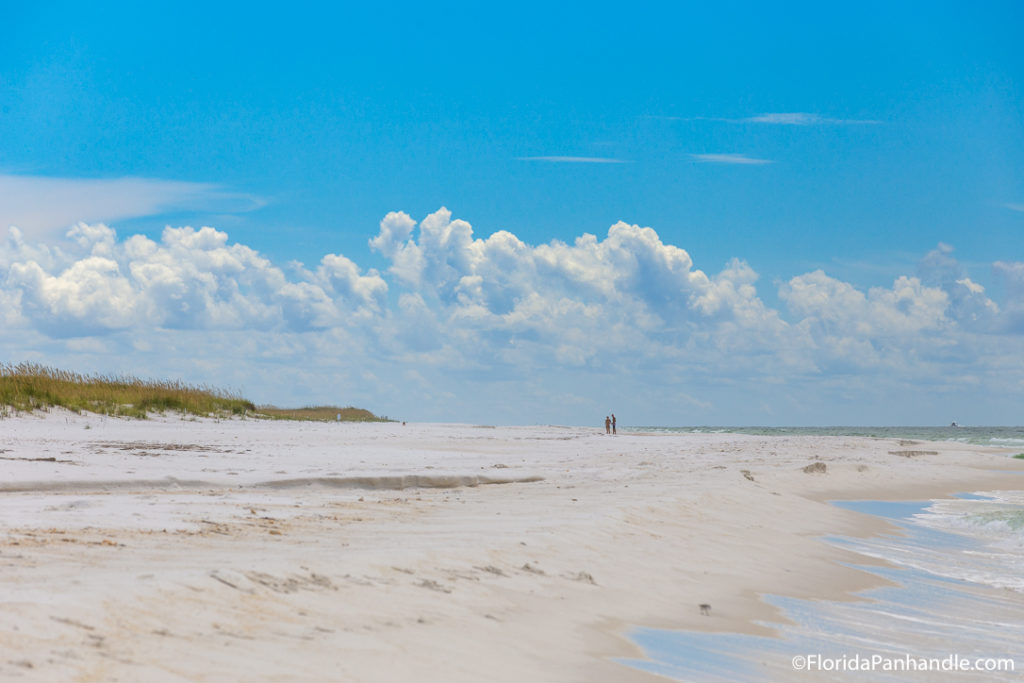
x: 607, y: 425
x: 613, y: 424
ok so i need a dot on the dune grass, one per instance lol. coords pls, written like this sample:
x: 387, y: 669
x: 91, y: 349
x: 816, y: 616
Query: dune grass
x: 28, y: 386
x: 1019, y: 456
x: 319, y: 413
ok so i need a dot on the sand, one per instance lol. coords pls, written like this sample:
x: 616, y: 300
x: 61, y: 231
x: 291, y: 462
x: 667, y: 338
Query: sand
x: 178, y: 549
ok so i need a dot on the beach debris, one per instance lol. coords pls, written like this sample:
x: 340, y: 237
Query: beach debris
x: 50, y: 459
x: 218, y: 576
x: 155, y: 448
x: 73, y: 622
x: 862, y: 468
x: 364, y: 581
x: 291, y: 584
x: 214, y: 527
x: 491, y: 569
x: 434, y: 586
x: 705, y: 609
x: 231, y: 634
x: 748, y: 475
x: 455, y: 574
x: 816, y: 468
x: 585, y: 577
x: 530, y: 568
x: 913, y: 454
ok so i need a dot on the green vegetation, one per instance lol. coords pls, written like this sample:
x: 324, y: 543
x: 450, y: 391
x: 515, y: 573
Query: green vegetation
x: 1019, y: 456
x: 28, y: 386
x: 320, y: 413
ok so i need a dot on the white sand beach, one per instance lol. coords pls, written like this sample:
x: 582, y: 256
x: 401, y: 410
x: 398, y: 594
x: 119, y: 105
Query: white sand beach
x: 177, y: 549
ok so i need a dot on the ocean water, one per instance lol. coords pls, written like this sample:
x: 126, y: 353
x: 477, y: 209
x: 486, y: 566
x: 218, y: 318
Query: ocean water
x: 958, y: 570
x: 1002, y: 437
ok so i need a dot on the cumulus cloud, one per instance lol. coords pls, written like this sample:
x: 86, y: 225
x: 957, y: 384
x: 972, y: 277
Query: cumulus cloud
x: 463, y: 310
x: 627, y: 299
x: 630, y: 273
x: 865, y: 328
x: 969, y: 305
x: 939, y: 319
x: 190, y: 279
x: 1012, y: 276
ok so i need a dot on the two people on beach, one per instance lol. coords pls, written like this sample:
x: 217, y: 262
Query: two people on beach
x: 609, y: 424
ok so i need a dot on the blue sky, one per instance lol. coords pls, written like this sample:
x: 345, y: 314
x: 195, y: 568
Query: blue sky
x: 869, y: 143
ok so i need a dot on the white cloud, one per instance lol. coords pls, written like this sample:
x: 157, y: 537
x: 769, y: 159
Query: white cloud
x: 394, y: 233
x: 836, y: 308
x: 803, y: 119
x: 46, y: 206
x: 191, y: 279
x: 574, y: 160
x: 1012, y: 276
x: 495, y: 321
x: 1014, y: 207
x: 940, y: 327
x: 632, y: 269
x: 794, y: 118
x: 969, y: 305
x: 89, y: 297
x: 731, y: 158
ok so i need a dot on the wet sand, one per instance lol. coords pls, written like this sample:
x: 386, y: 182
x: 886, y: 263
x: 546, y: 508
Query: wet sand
x: 177, y: 549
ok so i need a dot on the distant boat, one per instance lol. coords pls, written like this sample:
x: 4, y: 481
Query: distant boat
x: 954, y: 424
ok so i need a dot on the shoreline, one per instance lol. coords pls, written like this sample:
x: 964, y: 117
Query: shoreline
x: 537, y: 579
x: 950, y: 605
